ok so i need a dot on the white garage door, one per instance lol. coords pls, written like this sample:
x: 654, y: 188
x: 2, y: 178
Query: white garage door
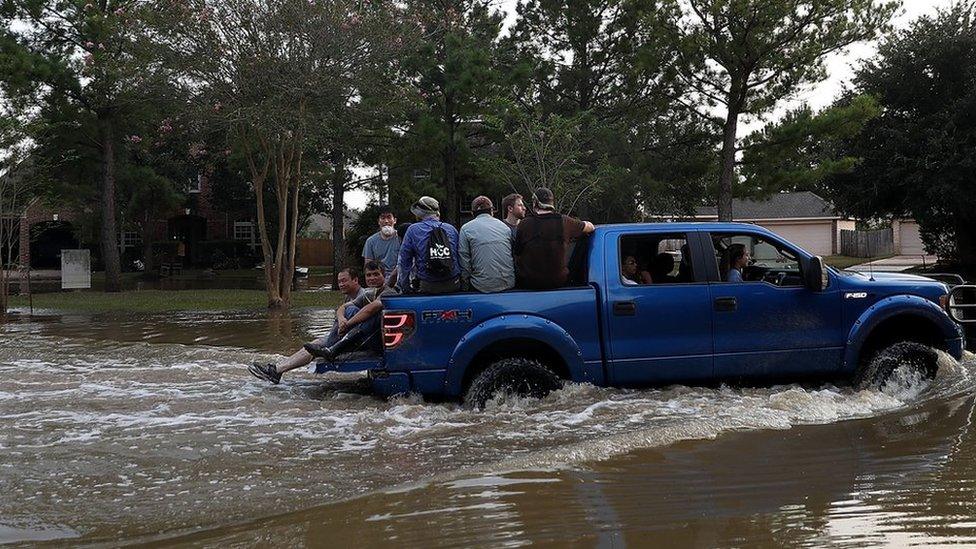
x: 815, y: 238
x: 911, y: 241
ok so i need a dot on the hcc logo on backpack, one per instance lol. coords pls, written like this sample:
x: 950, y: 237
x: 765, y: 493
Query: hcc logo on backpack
x: 440, y: 251
x: 440, y: 257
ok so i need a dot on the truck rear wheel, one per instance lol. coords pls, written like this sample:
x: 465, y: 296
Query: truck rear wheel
x: 517, y: 376
x: 876, y: 373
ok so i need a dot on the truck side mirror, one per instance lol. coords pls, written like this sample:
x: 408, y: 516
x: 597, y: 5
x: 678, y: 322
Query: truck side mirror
x: 815, y: 275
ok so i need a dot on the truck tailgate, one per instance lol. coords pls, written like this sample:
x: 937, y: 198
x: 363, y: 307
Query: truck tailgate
x: 351, y: 362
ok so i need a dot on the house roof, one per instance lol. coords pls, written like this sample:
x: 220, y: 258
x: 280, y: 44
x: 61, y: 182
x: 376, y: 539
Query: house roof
x: 796, y: 205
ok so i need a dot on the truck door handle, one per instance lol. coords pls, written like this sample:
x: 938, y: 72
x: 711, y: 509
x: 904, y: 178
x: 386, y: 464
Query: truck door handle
x: 725, y: 304
x: 624, y: 308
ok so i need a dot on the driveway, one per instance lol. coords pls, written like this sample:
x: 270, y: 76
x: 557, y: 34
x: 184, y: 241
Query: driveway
x: 897, y: 263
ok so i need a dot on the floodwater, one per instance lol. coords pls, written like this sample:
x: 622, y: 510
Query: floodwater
x: 236, y: 280
x: 148, y: 429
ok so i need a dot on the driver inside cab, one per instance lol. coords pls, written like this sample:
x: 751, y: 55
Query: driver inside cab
x: 738, y: 260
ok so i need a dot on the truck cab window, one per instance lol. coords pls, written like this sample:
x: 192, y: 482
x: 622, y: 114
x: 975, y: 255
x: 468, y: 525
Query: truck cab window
x: 654, y: 259
x: 750, y: 258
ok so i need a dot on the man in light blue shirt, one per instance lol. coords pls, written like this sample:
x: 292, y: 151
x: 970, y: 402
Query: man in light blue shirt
x: 485, y: 250
x: 384, y: 245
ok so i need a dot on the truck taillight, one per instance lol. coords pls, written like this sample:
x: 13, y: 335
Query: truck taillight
x: 397, y: 326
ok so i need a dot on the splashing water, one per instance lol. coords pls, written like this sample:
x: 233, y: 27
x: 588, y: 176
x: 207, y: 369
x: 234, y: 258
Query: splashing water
x: 120, y: 439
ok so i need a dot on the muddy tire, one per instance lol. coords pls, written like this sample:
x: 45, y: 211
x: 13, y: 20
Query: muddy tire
x: 516, y: 376
x: 875, y: 373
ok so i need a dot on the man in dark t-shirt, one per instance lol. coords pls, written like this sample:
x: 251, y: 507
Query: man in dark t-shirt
x: 541, y: 243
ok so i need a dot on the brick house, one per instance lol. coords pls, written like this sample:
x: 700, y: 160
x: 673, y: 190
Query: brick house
x: 46, y: 229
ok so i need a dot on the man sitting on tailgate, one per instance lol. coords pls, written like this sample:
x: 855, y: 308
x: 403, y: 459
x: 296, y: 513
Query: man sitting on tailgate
x: 356, y: 332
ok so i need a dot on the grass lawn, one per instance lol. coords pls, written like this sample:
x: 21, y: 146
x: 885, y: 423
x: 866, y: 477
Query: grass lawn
x: 843, y: 261
x: 325, y: 271
x: 151, y: 301
x: 187, y: 274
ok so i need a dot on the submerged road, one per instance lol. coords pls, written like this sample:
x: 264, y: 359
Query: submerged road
x: 149, y: 429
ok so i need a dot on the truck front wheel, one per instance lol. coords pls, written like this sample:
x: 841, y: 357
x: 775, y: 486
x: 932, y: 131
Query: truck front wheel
x: 515, y: 376
x: 920, y: 359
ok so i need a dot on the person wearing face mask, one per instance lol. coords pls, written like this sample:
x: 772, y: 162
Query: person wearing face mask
x: 384, y: 245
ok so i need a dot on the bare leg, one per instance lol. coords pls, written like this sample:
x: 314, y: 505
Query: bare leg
x: 299, y: 359
x: 302, y: 357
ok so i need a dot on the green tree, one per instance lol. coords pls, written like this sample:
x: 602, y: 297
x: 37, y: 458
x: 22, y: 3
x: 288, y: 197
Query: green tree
x: 917, y: 157
x: 95, y: 62
x: 544, y: 153
x: 362, y: 139
x: 146, y: 197
x: 279, y: 77
x: 744, y: 57
x: 611, y: 66
x: 804, y: 148
x: 455, y: 68
x: 17, y: 189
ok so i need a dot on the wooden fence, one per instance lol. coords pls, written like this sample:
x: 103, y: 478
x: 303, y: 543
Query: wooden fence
x: 314, y: 252
x: 867, y: 243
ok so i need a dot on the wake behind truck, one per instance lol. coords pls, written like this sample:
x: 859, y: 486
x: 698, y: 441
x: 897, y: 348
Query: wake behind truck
x: 791, y: 318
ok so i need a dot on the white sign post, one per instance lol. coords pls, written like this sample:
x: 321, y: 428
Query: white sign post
x: 75, y: 269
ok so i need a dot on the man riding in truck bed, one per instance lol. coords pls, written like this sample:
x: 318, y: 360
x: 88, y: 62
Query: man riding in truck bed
x: 431, y: 247
x: 541, y: 242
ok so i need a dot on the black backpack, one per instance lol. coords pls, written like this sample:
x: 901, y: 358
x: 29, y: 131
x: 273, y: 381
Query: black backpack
x: 440, y: 257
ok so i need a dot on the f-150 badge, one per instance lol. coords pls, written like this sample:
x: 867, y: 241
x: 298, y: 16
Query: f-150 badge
x: 855, y: 295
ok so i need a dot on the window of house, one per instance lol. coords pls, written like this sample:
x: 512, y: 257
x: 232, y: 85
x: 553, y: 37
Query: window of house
x: 244, y: 230
x: 194, y: 183
x: 131, y: 239
x: 761, y: 260
x: 655, y: 259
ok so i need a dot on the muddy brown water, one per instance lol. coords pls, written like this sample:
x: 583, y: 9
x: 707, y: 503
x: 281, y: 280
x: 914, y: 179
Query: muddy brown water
x: 146, y: 429
x: 235, y: 281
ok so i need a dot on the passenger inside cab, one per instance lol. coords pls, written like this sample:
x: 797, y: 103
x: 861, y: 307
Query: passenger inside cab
x: 632, y: 272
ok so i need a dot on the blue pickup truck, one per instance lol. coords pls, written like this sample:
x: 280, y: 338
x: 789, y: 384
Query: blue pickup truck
x: 791, y: 317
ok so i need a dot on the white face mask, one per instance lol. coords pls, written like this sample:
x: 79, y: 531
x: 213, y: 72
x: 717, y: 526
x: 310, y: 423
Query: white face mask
x: 387, y: 231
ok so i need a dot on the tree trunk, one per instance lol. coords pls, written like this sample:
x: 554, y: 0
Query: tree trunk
x: 966, y: 243
x: 288, y: 278
x: 278, y: 273
x: 5, y: 239
x: 382, y: 191
x: 148, y: 261
x: 338, y: 217
x: 110, y: 245
x: 282, y: 155
x: 4, y: 292
x: 727, y: 174
x: 449, y: 211
x: 259, y: 175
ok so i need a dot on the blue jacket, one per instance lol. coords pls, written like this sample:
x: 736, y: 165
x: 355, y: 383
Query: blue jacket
x: 413, y: 251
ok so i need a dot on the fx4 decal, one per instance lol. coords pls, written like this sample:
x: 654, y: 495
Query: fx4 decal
x: 450, y: 315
